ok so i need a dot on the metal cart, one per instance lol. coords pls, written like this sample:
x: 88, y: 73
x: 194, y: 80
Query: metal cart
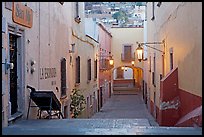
x: 45, y: 101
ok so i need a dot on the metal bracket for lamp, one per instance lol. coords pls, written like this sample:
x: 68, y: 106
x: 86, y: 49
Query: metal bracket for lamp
x: 155, y: 43
x: 140, y: 50
x: 8, y: 65
x: 73, y: 48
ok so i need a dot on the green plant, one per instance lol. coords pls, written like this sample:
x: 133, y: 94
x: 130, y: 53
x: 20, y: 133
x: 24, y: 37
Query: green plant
x: 77, y: 103
x: 120, y: 16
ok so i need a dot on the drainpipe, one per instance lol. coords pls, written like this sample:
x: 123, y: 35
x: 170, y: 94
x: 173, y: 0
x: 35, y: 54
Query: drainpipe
x: 39, y: 51
x: 152, y: 11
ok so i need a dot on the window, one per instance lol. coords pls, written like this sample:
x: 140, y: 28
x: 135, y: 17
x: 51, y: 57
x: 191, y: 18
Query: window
x: 153, y: 78
x: 104, y: 63
x: 162, y: 65
x: 78, y: 69
x: 127, y: 54
x: 63, y: 77
x: 154, y: 69
x: 171, y: 61
x: 89, y: 70
x: 90, y: 100
x: 150, y: 64
x: 171, y: 58
x: 95, y: 69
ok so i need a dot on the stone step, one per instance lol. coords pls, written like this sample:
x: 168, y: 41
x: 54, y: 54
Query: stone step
x: 125, y: 88
x: 94, y: 127
x: 123, y: 91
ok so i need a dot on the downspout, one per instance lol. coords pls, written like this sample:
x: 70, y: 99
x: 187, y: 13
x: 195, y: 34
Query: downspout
x: 152, y: 11
x: 39, y: 51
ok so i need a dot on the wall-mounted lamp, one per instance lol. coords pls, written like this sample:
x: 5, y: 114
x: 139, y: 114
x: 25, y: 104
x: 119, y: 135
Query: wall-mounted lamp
x: 107, y: 57
x: 140, y: 50
x: 32, y: 70
x: 111, y: 62
x: 32, y: 62
x: 124, y: 68
x: 73, y: 48
x: 133, y: 63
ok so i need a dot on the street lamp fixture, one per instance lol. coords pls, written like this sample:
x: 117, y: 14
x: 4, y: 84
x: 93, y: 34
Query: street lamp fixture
x: 111, y: 62
x: 108, y: 58
x: 140, y: 51
x: 133, y: 63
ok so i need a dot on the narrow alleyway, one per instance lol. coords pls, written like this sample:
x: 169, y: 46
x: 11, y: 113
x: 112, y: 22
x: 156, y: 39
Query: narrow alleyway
x: 125, y: 106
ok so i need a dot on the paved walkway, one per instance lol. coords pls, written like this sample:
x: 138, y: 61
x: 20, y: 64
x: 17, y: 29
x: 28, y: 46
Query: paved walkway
x: 93, y: 127
x: 120, y: 115
x: 125, y: 106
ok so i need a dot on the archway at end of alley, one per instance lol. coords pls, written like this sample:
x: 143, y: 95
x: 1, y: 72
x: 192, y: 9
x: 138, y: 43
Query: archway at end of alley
x: 126, y: 78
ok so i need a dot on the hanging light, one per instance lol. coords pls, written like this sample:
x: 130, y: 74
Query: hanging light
x: 126, y: 68
x: 111, y: 61
x: 139, y: 53
x: 133, y: 63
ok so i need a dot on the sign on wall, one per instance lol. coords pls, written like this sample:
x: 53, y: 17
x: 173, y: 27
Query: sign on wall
x: 22, y: 14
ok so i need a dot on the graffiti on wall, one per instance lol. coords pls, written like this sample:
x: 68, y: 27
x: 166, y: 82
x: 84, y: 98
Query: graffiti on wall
x: 173, y: 104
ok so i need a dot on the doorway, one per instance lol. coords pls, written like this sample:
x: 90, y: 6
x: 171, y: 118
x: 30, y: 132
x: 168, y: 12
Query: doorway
x: 16, y: 71
x: 13, y: 73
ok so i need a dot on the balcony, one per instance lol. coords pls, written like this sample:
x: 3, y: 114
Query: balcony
x: 127, y: 57
x: 104, y: 64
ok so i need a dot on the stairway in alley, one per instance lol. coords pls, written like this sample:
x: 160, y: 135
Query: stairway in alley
x: 123, y: 114
x: 94, y: 127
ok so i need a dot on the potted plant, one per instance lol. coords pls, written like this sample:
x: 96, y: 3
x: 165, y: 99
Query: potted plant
x: 77, y: 103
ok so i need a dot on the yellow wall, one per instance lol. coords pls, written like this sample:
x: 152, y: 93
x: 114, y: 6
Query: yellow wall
x: 180, y: 25
x: 125, y: 36
x: 86, y: 48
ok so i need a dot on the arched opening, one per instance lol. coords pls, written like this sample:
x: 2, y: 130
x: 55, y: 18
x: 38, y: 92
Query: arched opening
x: 127, y: 78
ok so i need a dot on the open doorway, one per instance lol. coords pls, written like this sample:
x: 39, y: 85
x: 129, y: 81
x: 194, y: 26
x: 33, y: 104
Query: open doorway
x: 13, y: 73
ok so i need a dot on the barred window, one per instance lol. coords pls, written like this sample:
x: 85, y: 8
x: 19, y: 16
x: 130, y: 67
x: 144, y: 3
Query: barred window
x: 89, y: 69
x: 95, y: 69
x: 78, y: 69
x: 63, y: 77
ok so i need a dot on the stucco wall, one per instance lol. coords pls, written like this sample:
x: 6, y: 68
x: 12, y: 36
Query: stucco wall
x: 125, y: 36
x: 180, y: 25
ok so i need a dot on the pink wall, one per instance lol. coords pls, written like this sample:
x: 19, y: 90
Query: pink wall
x: 188, y: 112
x: 189, y: 102
x: 105, y: 48
x: 168, y: 114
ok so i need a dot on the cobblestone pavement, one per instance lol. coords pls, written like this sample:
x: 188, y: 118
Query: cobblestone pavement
x: 125, y: 106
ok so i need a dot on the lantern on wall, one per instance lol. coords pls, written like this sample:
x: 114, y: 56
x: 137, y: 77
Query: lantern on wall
x: 133, y: 63
x: 140, y: 53
x: 111, y: 61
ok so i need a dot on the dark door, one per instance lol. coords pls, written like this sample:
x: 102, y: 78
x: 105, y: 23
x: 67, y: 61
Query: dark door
x: 63, y: 77
x: 101, y: 97
x: 120, y: 73
x: 98, y: 98
x: 145, y: 89
x: 127, y: 53
x: 13, y: 73
x: 109, y: 89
